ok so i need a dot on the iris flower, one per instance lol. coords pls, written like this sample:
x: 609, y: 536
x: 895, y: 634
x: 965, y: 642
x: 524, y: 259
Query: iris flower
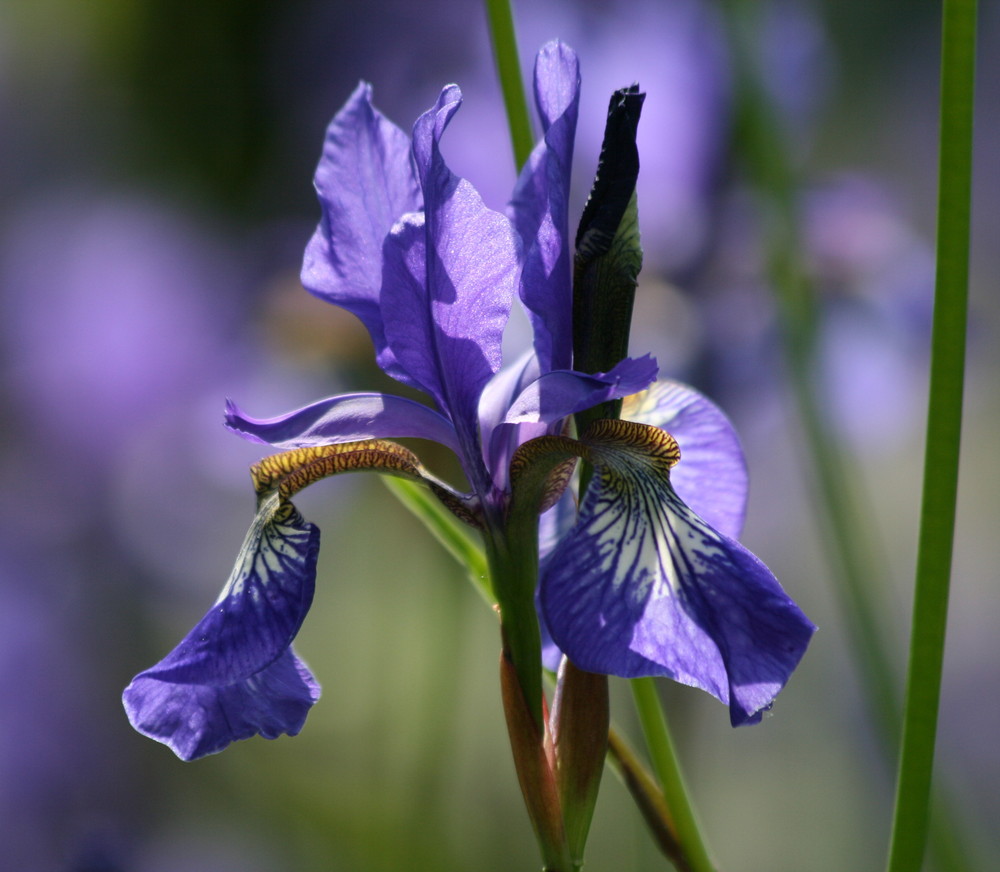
x: 647, y: 578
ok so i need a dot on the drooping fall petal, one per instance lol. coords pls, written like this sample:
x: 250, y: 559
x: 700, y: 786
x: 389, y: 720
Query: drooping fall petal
x: 642, y: 586
x: 234, y: 675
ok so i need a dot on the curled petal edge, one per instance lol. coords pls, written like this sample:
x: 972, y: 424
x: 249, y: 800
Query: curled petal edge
x: 344, y: 418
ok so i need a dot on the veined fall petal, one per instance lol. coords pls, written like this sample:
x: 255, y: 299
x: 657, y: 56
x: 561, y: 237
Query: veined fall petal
x: 642, y: 586
x: 712, y: 479
x: 234, y: 675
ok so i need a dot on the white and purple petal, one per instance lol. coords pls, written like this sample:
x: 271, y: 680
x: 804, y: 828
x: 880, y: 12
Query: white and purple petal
x: 345, y: 418
x: 643, y: 586
x: 448, y: 282
x: 233, y: 675
x: 540, y: 205
x: 365, y: 182
x: 712, y: 475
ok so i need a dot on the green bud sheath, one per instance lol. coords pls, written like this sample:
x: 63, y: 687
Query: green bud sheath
x: 533, y: 760
x: 580, y: 723
x: 608, y: 252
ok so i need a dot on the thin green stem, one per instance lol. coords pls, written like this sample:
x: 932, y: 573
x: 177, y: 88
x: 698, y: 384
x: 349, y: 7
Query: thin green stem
x: 464, y: 546
x: 844, y: 516
x: 668, y: 773
x: 944, y: 427
x: 647, y: 796
x: 504, y: 41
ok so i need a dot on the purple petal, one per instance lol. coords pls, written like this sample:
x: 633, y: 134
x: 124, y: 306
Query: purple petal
x: 499, y: 394
x: 642, y: 586
x: 540, y: 206
x: 224, y: 662
x: 199, y: 719
x: 556, y: 395
x: 448, y: 283
x: 712, y: 474
x: 496, y: 399
x: 345, y: 418
x: 365, y: 182
x: 553, y: 525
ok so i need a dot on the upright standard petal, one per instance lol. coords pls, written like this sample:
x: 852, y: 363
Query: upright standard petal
x: 365, y: 182
x: 643, y: 586
x: 234, y: 675
x: 712, y: 479
x: 540, y: 206
x: 449, y: 278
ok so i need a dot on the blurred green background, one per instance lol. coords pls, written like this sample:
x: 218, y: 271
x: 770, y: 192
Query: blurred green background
x: 154, y: 203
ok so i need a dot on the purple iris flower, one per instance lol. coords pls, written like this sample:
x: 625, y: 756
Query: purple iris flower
x: 643, y: 583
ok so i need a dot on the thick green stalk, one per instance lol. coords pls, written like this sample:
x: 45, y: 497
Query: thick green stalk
x: 944, y: 427
x: 693, y: 852
x: 512, y: 555
x: 504, y: 41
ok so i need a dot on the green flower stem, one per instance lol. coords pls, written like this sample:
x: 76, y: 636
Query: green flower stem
x: 504, y: 40
x: 844, y: 515
x: 512, y: 554
x: 668, y: 773
x: 944, y: 425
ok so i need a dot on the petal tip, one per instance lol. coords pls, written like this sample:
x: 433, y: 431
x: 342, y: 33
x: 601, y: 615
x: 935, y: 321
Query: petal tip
x: 196, y: 720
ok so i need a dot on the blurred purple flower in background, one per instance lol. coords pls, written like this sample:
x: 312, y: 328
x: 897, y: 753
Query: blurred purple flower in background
x: 875, y: 274
x: 138, y: 304
x: 872, y: 275
x: 122, y: 327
